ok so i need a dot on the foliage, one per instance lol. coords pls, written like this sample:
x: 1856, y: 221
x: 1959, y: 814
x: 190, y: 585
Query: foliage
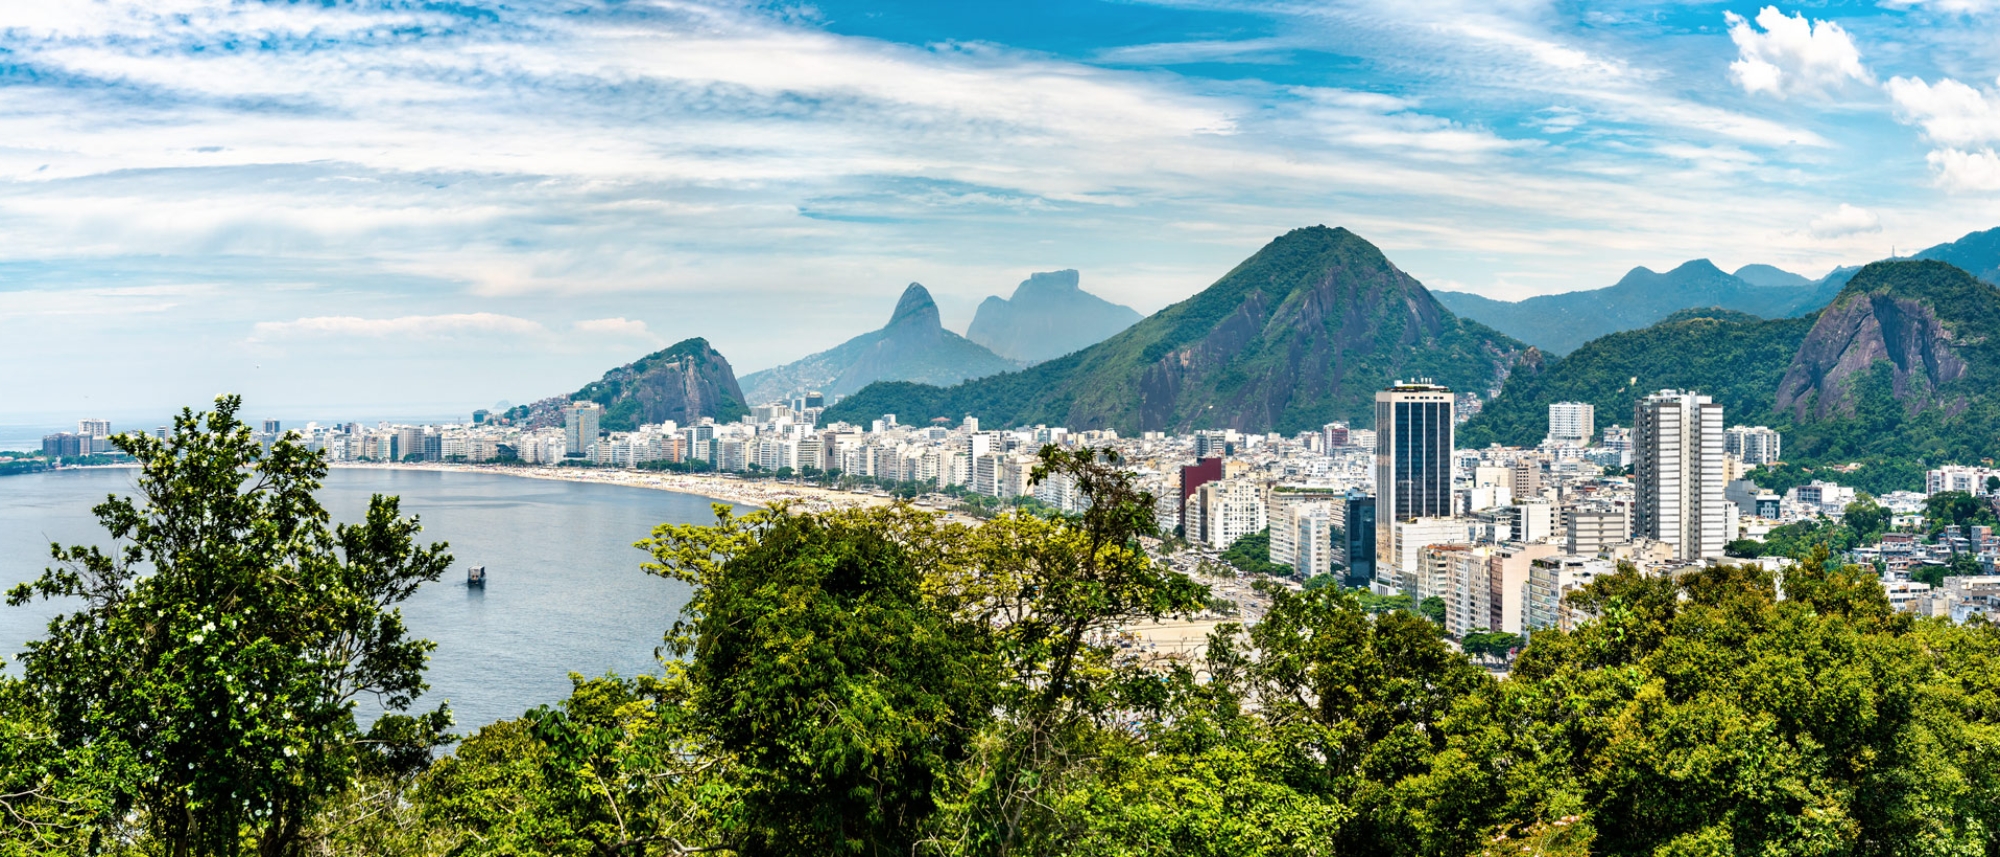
x: 1490, y: 644
x: 1956, y: 509
x: 217, y: 650
x: 1251, y: 554
x: 1432, y: 608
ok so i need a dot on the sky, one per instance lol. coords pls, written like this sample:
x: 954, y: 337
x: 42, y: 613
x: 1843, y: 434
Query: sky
x: 349, y: 209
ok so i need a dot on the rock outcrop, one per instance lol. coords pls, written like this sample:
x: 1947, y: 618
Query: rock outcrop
x: 683, y: 383
x: 1877, y: 317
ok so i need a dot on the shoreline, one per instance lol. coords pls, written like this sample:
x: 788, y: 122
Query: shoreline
x: 741, y: 492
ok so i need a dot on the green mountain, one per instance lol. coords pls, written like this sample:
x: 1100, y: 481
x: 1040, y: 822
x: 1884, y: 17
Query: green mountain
x: 1559, y: 323
x: 683, y: 382
x: 913, y: 346
x: 1977, y: 253
x: 1301, y: 333
x: 1899, y: 373
x: 1048, y: 316
x: 1735, y: 357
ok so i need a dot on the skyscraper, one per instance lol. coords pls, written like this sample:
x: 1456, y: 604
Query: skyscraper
x: 580, y: 427
x: 1413, y: 446
x: 1677, y: 473
x: 1571, y: 423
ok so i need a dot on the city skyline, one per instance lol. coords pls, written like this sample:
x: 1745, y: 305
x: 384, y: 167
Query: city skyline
x: 362, y: 207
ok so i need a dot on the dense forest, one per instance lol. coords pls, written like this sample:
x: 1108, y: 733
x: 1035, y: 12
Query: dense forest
x: 884, y: 682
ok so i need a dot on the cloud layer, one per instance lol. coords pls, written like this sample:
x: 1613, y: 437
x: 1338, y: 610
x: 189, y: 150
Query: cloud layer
x: 326, y: 190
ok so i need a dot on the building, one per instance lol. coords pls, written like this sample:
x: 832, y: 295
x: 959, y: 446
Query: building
x: 1550, y: 580
x: 1591, y: 529
x: 1571, y: 423
x: 1313, y: 529
x: 1507, y: 571
x: 1280, y: 503
x: 580, y: 422
x: 1971, y: 480
x: 1437, y: 568
x: 1229, y: 509
x: 1402, y: 570
x: 1193, y: 476
x: 1360, y: 550
x: 95, y: 428
x: 1333, y: 435
x: 1413, y: 449
x: 1752, y: 444
x: 1678, y: 475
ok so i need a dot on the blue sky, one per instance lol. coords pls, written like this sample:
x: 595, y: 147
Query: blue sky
x: 366, y: 208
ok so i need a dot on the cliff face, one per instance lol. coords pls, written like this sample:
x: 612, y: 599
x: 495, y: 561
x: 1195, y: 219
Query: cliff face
x: 1048, y: 316
x: 1850, y: 337
x: 684, y: 382
x: 1302, y: 333
x: 913, y: 346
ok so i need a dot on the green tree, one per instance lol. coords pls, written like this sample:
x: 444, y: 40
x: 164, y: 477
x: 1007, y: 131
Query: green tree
x: 818, y: 664
x: 1868, y: 519
x: 1432, y: 608
x: 220, y: 647
x: 1955, y: 508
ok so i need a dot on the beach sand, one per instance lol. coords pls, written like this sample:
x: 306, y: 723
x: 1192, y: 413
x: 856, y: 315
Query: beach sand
x: 744, y: 492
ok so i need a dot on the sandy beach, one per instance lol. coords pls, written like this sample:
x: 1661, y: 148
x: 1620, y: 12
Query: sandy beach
x: 746, y: 492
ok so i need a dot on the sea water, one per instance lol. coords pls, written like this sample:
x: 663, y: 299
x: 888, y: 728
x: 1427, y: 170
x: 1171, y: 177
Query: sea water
x: 564, y: 589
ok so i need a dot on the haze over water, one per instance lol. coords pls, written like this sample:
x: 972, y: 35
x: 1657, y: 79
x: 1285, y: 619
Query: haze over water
x: 565, y: 592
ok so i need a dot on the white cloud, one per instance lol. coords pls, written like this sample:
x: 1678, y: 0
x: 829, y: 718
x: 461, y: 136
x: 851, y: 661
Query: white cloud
x: 1959, y: 170
x: 1950, y: 7
x: 1792, y: 55
x: 1844, y: 221
x: 620, y: 328
x: 1950, y: 112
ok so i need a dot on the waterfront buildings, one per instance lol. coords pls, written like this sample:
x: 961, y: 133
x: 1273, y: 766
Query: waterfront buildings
x: 580, y: 427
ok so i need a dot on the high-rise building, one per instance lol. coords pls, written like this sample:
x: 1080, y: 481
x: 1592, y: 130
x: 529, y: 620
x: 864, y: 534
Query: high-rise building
x: 1571, y: 423
x: 1678, y: 476
x: 1413, y: 449
x: 580, y: 421
x: 93, y: 428
x: 273, y: 427
x: 1360, y: 525
x: 1334, y: 435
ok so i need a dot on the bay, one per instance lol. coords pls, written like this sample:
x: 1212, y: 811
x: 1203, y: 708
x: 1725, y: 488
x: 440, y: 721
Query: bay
x: 565, y: 592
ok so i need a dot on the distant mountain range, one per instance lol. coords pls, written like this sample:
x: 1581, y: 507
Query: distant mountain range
x: 1048, y: 316
x: 913, y: 346
x: 1301, y: 333
x: 1559, y: 323
x: 1899, y: 372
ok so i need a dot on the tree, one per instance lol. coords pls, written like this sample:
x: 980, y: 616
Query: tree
x: 819, y: 665
x: 1432, y: 608
x: 1954, y: 508
x: 1866, y: 518
x: 219, y: 648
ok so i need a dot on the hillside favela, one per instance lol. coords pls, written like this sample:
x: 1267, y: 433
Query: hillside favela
x: 1086, y: 427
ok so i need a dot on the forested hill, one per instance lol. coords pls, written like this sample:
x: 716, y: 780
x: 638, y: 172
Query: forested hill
x: 1735, y: 357
x: 1303, y: 332
x: 1901, y: 372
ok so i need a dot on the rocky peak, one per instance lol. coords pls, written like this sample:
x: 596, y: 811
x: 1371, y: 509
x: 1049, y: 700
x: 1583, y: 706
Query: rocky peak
x: 1885, y: 313
x: 916, y: 310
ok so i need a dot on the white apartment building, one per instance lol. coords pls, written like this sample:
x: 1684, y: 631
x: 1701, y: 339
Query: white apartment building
x: 1230, y: 510
x: 580, y: 424
x: 1411, y: 537
x: 1753, y: 444
x: 1571, y: 423
x: 1551, y: 578
x: 1591, y: 529
x: 1678, y: 474
x: 1280, y: 503
x: 1311, y: 527
x: 1971, y: 480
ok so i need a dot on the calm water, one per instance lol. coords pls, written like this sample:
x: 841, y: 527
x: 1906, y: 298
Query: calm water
x: 564, y: 592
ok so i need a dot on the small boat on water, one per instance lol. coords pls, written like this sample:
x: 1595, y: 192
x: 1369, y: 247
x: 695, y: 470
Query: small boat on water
x: 476, y: 576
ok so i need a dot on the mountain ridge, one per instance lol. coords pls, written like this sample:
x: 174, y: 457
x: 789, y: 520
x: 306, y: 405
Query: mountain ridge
x: 682, y: 382
x: 1302, y: 332
x: 913, y: 346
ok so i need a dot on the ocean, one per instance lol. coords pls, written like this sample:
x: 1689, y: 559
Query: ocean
x: 564, y: 594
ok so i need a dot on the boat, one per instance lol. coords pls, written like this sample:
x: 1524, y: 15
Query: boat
x: 476, y: 576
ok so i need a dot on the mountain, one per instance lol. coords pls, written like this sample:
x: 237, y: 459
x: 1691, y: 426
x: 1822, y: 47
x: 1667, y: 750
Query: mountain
x: 1899, y: 373
x: 1977, y: 253
x: 1048, y: 317
x: 683, y: 382
x: 1735, y: 357
x: 1559, y: 323
x: 913, y: 346
x: 1770, y: 277
x: 1301, y: 333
